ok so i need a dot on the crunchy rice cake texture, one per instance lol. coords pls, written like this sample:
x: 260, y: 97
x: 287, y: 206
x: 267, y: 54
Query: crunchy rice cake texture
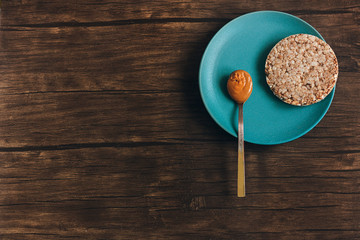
x: 301, y: 69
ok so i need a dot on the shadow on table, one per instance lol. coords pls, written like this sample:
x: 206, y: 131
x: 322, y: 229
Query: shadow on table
x: 209, y: 133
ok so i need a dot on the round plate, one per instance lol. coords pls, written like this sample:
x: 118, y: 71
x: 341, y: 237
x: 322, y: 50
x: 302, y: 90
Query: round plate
x: 244, y: 43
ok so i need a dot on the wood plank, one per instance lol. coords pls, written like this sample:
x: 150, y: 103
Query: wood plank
x: 90, y: 194
x: 165, y: 56
x: 52, y: 11
x: 123, y: 118
x: 94, y: 60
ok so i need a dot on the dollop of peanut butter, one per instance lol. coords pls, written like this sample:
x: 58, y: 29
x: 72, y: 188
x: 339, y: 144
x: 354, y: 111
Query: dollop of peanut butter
x: 239, y: 86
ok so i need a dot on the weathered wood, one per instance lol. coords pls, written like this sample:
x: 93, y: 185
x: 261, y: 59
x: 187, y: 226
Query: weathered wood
x: 104, y: 134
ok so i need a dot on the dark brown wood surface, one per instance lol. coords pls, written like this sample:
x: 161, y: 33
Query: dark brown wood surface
x: 103, y: 134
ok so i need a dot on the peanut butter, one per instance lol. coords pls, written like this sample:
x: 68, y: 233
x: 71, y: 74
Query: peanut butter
x: 239, y: 86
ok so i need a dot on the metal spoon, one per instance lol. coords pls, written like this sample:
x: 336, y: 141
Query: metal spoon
x: 241, y: 158
x: 239, y: 87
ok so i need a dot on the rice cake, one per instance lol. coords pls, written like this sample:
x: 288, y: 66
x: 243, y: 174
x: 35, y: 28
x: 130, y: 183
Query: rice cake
x: 301, y: 69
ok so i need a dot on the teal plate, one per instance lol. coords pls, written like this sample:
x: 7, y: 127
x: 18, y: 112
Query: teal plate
x: 244, y: 43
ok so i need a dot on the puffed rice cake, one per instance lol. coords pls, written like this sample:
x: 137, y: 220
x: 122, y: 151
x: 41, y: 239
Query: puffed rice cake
x: 301, y: 69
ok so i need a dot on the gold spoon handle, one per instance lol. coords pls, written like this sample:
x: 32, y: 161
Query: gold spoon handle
x: 241, y: 159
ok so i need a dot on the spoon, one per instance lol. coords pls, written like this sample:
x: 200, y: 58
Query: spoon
x: 240, y: 86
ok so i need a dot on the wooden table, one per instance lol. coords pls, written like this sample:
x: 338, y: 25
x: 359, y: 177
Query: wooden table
x: 104, y: 134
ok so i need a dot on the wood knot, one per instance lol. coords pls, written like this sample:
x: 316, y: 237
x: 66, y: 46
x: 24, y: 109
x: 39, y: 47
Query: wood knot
x: 197, y: 203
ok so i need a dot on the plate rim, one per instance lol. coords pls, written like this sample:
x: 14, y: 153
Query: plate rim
x: 331, y: 95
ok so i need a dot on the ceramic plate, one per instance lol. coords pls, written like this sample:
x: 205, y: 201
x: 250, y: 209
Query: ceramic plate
x: 244, y: 43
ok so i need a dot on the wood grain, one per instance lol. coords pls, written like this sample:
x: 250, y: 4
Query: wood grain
x: 104, y: 134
